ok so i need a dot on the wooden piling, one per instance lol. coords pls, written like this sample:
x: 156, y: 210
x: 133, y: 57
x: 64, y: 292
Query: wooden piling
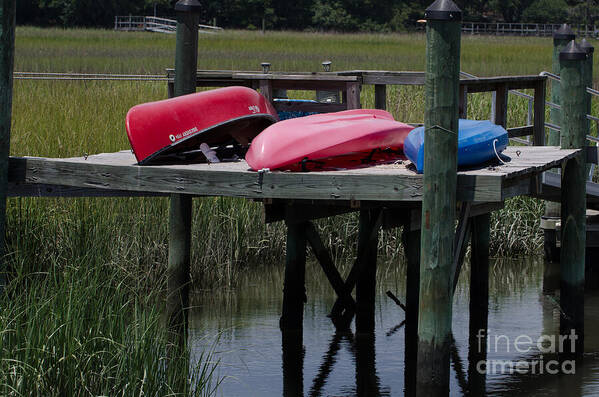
x: 573, y: 199
x: 178, y: 264
x: 439, y: 196
x: 294, y: 293
x: 7, y: 46
x: 380, y: 96
x: 366, y: 284
x: 587, y: 75
x: 479, y: 302
x: 186, y: 53
x: 561, y: 38
x: 178, y: 269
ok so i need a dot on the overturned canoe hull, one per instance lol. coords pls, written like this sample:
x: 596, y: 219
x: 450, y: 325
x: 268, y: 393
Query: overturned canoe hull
x: 479, y: 141
x: 341, y: 139
x: 216, y: 117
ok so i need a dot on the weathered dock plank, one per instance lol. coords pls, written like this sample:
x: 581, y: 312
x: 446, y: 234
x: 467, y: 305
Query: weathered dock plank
x: 393, y: 182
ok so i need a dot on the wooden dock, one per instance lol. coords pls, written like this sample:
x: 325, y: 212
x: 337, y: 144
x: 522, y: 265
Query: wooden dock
x: 108, y: 173
x: 386, y: 196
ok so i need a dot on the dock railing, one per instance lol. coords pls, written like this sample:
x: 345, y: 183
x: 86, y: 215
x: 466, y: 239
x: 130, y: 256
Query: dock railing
x: 154, y: 24
x: 523, y: 29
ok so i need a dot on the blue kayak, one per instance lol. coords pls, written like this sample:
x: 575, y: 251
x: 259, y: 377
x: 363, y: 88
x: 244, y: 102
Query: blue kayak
x: 475, y: 143
x: 286, y: 114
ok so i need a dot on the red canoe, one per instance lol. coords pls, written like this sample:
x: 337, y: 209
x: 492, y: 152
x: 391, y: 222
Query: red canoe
x: 216, y: 117
x: 327, y: 141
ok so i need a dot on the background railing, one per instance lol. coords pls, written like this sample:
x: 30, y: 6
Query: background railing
x: 524, y: 29
x: 154, y: 24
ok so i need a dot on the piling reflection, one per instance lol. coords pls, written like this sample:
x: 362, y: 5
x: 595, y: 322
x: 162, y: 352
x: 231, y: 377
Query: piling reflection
x: 293, y: 363
x: 258, y: 360
x: 362, y: 348
x: 328, y: 361
x: 470, y: 379
x: 367, y: 381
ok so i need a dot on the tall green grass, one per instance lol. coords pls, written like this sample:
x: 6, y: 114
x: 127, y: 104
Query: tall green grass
x: 88, y: 50
x: 82, y: 313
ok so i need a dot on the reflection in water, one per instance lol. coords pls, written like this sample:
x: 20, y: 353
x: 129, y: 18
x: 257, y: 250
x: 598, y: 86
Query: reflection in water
x: 328, y: 361
x: 293, y: 363
x: 257, y: 359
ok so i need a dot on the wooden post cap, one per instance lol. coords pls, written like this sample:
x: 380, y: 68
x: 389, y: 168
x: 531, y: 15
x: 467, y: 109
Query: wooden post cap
x: 564, y: 33
x: 572, y: 52
x: 586, y: 46
x: 443, y: 10
x: 191, y: 6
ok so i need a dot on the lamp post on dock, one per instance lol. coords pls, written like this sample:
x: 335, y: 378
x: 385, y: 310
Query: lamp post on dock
x: 439, y: 196
x: 178, y: 279
x: 573, y: 199
x: 7, y: 46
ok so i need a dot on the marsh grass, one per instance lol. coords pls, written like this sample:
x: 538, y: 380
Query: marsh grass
x: 89, y: 50
x: 81, y: 331
x: 82, y: 313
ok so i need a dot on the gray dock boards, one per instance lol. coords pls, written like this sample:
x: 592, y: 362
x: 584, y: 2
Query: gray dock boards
x: 394, y: 182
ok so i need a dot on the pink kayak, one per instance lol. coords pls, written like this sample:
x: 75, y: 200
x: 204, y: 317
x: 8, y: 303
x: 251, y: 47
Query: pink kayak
x: 216, y: 117
x: 330, y: 140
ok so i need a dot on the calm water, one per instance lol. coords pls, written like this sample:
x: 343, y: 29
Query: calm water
x: 243, y: 325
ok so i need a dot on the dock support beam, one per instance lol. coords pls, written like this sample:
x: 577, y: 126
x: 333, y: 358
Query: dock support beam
x: 366, y: 284
x: 439, y: 197
x: 294, y: 293
x: 178, y: 269
x: 7, y: 47
x: 573, y: 200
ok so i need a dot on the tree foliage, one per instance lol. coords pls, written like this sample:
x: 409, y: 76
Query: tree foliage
x: 339, y: 15
x: 554, y: 11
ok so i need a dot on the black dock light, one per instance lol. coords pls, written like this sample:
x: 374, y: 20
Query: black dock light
x: 265, y: 67
x: 327, y: 96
